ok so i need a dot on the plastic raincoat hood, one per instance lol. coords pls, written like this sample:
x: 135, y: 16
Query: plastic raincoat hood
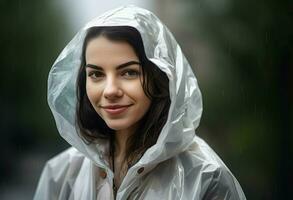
x: 179, y: 166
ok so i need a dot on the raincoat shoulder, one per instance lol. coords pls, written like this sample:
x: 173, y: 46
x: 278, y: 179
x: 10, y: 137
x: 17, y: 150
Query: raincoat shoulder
x: 210, y: 175
x: 59, y: 175
x: 194, y: 174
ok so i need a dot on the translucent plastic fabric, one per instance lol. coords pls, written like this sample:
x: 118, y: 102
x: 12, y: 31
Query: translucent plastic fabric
x: 179, y: 166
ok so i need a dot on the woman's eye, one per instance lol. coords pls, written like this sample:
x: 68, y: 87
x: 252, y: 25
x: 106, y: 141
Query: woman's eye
x: 95, y: 74
x: 130, y: 73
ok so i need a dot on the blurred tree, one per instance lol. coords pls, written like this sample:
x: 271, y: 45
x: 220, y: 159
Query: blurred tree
x: 32, y: 34
x: 247, y: 104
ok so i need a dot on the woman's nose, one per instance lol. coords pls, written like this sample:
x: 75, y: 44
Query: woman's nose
x: 112, y: 89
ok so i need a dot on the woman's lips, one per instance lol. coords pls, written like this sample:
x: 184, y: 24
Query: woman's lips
x: 115, y: 109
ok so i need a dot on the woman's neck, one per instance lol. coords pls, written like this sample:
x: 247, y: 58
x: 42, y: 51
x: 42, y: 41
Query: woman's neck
x: 120, y: 146
x: 121, y: 138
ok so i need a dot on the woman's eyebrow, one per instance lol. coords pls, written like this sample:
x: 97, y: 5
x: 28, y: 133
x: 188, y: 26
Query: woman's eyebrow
x: 128, y: 64
x: 121, y: 66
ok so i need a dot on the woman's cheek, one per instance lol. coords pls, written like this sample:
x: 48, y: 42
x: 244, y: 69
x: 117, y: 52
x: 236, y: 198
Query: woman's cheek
x: 134, y: 86
x: 93, y: 92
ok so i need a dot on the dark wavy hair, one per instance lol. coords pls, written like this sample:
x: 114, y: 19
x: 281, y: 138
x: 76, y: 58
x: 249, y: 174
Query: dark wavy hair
x: 155, y: 85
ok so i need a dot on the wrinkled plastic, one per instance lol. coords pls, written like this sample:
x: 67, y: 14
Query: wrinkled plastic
x: 179, y: 166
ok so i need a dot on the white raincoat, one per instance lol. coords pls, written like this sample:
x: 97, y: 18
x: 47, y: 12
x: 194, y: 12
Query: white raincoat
x: 179, y: 166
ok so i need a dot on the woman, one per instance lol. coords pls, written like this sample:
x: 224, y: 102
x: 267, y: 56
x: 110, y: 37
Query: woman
x: 130, y: 117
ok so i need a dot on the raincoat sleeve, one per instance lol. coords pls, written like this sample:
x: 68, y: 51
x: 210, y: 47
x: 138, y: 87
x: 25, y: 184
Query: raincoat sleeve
x: 223, y: 186
x: 54, y: 183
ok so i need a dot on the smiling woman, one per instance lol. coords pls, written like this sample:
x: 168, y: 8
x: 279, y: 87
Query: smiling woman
x: 112, y: 83
x: 132, y: 122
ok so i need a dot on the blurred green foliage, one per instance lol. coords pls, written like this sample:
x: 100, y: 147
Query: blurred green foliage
x: 247, y: 111
x: 32, y: 34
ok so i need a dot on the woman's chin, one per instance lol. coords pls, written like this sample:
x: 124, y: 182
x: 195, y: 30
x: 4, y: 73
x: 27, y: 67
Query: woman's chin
x: 121, y: 126
x: 117, y: 126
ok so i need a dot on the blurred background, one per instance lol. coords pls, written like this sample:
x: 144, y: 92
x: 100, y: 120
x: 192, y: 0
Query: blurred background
x: 241, y: 52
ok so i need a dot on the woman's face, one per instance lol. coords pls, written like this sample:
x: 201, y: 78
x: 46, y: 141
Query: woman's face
x: 113, y: 83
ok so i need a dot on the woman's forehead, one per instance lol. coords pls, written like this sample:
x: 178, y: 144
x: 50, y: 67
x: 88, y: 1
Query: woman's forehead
x: 102, y: 51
